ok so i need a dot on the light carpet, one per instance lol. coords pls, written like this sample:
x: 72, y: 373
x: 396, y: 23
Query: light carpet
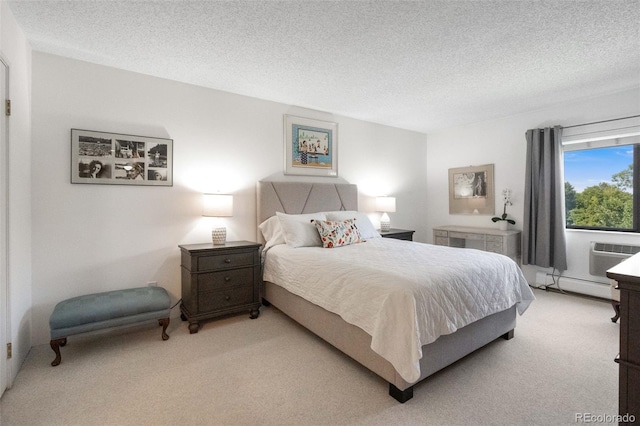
x: 271, y: 371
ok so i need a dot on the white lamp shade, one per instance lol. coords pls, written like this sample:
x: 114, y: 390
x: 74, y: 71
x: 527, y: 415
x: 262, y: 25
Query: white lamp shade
x: 217, y: 205
x: 386, y: 204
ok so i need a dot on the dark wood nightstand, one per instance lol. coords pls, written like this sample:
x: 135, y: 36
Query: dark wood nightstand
x: 219, y: 280
x: 398, y: 234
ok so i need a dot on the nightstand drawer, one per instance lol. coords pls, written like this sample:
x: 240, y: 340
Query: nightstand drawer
x: 226, y: 298
x: 440, y: 233
x: 229, y: 260
x: 222, y: 279
x: 494, y: 238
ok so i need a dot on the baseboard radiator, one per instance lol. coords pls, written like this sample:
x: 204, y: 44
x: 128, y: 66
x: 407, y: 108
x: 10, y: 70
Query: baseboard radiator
x: 603, y: 256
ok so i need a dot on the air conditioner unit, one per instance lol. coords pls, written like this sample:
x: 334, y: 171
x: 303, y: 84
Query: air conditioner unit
x: 603, y: 256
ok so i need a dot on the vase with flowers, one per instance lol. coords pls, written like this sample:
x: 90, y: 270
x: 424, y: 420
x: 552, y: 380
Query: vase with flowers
x: 503, y: 221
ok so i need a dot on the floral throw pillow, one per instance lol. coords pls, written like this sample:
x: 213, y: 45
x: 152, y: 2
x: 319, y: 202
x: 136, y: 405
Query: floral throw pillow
x: 334, y: 233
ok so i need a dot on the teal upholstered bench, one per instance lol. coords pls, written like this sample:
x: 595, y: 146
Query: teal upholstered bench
x: 109, y: 309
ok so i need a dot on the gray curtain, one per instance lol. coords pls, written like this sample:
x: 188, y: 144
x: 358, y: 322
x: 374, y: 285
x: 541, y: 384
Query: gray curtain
x: 544, y: 222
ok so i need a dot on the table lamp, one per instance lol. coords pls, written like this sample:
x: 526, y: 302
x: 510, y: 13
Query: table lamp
x: 385, y: 205
x: 218, y: 205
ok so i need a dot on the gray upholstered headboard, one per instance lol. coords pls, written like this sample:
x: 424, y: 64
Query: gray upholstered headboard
x: 304, y: 197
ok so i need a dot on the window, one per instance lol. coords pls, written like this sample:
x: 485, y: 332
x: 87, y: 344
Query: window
x: 602, y: 180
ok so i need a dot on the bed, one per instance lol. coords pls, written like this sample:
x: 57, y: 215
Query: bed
x: 371, y: 300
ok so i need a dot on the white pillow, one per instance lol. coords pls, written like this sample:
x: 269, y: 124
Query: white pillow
x: 298, y: 230
x: 272, y: 232
x: 364, y: 225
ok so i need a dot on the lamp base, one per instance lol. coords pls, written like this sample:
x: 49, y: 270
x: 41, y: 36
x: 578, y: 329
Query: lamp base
x: 219, y: 236
x: 385, y: 223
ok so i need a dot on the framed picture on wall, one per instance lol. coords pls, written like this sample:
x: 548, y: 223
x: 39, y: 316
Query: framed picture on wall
x: 113, y: 158
x: 310, y: 146
x: 471, y: 190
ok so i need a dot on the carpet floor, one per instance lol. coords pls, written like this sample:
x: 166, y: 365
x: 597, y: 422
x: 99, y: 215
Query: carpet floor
x: 271, y: 371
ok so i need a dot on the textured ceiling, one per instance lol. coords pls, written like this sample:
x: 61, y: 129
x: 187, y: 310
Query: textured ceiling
x: 419, y: 65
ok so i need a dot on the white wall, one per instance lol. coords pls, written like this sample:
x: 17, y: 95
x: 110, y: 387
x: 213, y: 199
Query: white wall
x: 15, y: 49
x: 90, y: 238
x: 502, y: 143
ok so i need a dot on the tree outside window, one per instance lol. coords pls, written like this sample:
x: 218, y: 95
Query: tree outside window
x: 597, y: 202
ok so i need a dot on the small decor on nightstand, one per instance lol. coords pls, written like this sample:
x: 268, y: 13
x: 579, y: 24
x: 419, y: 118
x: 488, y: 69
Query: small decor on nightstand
x: 502, y: 220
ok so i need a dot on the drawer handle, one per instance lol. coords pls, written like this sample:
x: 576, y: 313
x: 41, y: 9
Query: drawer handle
x: 227, y: 279
x: 227, y: 261
x: 227, y: 298
x: 627, y: 364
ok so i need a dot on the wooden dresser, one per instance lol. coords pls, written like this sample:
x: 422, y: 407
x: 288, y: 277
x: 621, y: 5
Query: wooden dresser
x: 487, y: 239
x: 219, y: 280
x: 627, y: 274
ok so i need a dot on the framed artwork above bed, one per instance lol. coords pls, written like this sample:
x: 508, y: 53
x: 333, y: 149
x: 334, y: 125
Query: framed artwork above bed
x: 310, y: 146
x: 471, y: 190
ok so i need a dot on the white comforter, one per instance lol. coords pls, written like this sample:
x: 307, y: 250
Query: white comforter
x: 404, y: 294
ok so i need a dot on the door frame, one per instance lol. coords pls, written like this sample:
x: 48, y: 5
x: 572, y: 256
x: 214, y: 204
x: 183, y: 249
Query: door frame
x: 5, y: 323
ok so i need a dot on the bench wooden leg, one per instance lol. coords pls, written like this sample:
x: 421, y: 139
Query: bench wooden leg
x: 164, y: 322
x: 55, y: 345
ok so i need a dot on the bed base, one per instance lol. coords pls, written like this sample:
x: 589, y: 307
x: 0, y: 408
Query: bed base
x: 401, y: 396
x: 355, y: 343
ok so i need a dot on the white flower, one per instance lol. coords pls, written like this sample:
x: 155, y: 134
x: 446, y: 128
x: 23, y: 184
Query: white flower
x: 506, y: 194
